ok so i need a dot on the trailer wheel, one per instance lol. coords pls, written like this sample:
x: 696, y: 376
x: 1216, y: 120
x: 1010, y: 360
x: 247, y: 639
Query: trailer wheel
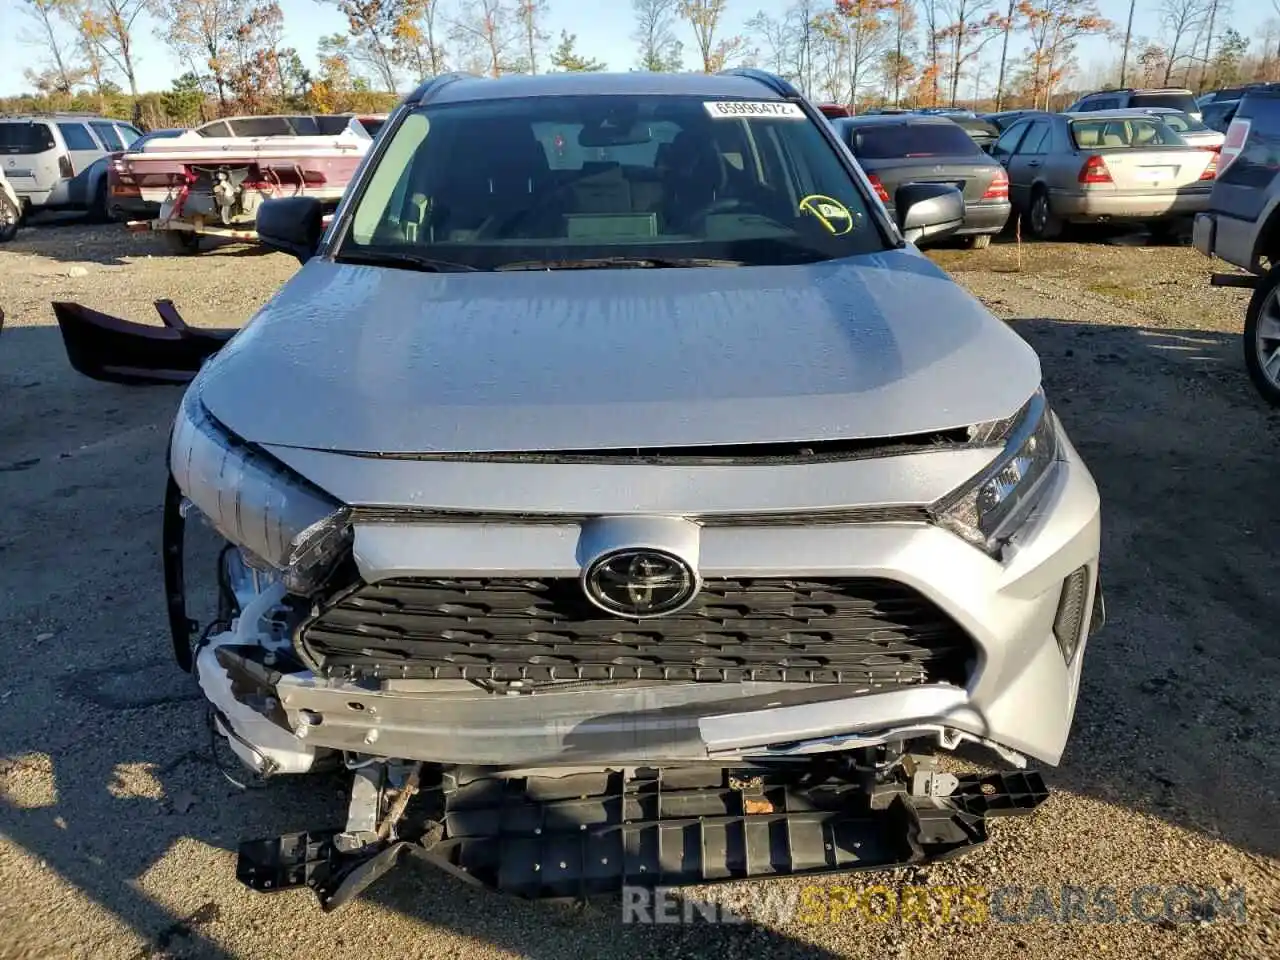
x: 181, y: 242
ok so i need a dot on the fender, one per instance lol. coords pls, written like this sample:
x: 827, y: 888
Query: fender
x: 1267, y: 239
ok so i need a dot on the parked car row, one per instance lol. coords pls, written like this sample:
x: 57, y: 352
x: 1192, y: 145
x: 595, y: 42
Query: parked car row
x: 58, y: 161
x: 896, y: 149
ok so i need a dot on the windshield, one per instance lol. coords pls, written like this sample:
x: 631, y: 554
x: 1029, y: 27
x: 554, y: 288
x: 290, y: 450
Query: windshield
x: 894, y: 140
x: 1120, y: 133
x: 1178, y: 101
x: 488, y: 183
x: 1183, y: 123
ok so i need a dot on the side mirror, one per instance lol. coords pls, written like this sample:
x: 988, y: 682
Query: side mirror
x: 928, y: 210
x: 292, y: 225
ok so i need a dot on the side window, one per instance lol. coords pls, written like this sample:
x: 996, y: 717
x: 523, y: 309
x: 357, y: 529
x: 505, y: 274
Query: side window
x: 107, y: 134
x: 127, y: 133
x: 1035, y: 141
x: 77, y: 137
x: 1009, y: 140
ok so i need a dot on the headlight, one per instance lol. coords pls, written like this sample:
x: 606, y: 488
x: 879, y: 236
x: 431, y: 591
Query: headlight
x: 279, y: 520
x: 987, y: 509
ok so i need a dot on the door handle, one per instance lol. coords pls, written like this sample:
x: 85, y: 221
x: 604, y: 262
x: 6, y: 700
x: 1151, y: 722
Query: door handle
x: 1034, y: 163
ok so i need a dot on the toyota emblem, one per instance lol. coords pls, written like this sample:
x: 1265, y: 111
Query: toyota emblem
x: 640, y: 583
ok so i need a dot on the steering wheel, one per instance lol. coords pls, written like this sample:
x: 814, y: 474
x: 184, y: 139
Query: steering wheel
x: 724, y: 205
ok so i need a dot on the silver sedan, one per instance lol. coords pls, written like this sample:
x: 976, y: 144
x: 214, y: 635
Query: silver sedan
x: 1116, y: 165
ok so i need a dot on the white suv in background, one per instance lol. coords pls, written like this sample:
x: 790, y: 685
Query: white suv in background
x: 51, y: 159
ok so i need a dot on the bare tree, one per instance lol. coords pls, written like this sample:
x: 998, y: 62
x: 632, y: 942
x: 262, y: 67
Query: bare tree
x: 704, y: 16
x: 970, y: 25
x: 118, y: 18
x: 1007, y: 24
x: 1128, y: 39
x: 899, y: 68
x: 418, y: 41
x: 489, y: 29
x: 864, y: 26
x: 47, y: 16
x: 780, y: 42
x: 1216, y: 8
x: 375, y: 27
x: 91, y: 35
x: 1180, y: 19
x: 654, y: 34
x: 200, y: 32
x: 932, y: 28
x: 530, y: 14
x: 788, y: 41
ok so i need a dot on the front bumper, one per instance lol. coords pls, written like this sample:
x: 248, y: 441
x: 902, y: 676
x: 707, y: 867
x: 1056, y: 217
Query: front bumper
x: 1020, y: 695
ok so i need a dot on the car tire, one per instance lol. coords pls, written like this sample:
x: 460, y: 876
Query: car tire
x: 181, y: 242
x: 1168, y: 232
x: 1042, y: 222
x: 978, y: 242
x: 98, y: 212
x: 1262, y: 338
x: 10, y: 219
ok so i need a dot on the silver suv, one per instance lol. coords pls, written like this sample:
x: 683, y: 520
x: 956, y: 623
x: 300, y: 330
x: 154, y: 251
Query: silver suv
x: 55, y: 161
x: 617, y: 473
x: 1176, y: 98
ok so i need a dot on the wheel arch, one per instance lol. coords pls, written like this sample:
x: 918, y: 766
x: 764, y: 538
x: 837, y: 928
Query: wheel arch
x: 1267, y: 243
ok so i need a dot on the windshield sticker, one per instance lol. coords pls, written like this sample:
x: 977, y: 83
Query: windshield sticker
x: 832, y: 214
x: 737, y: 109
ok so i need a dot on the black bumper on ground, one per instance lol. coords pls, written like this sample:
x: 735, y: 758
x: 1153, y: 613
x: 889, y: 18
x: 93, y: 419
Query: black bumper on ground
x: 588, y: 834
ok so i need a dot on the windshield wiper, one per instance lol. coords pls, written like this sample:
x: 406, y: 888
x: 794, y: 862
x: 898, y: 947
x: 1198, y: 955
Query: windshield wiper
x: 404, y: 261
x: 606, y: 263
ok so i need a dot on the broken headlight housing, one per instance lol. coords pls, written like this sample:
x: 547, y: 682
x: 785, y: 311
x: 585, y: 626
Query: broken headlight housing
x: 280, y: 521
x: 990, y: 507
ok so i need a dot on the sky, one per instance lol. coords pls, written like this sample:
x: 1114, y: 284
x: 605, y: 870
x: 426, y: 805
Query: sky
x: 604, y: 37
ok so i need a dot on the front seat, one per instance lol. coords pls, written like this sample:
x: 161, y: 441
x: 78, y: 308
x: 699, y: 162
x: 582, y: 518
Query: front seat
x: 695, y: 181
x: 504, y: 176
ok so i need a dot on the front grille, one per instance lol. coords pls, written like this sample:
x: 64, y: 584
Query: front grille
x: 851, y: 631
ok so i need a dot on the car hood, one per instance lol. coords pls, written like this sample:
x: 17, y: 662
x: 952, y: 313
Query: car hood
x: 381, y: 360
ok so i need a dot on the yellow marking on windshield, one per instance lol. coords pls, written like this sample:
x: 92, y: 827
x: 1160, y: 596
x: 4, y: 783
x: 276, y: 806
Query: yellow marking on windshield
x: 828, y: 211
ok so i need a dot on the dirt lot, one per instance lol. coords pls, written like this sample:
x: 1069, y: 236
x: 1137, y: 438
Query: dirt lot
x: 116, y: 834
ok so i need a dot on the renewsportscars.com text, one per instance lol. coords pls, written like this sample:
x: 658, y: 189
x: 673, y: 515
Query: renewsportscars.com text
x: 972, y: 904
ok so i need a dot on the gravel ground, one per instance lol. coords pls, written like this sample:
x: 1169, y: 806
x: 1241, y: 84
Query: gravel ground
x: 116, y: 834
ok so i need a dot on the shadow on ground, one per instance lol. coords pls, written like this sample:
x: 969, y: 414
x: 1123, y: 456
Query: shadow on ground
x: 1177, y: 717
x: 108, y: 243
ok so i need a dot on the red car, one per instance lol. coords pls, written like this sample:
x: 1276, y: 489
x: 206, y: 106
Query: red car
x: 833, y: 111
x: 124, y: 200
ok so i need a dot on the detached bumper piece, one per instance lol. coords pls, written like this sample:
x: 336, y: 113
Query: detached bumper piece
x: 590, y: 834
x: 112, y: 350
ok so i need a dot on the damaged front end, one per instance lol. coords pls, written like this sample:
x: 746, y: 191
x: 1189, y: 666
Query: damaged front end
x: 564, y: 830
x: 560, y: 771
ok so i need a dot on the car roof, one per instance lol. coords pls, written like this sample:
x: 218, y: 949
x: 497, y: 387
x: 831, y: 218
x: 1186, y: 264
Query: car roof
x: 1122, y: 113
x: 901, y: 119
x: 463, y: 89
x: 61, y: 118
x: 1103, y: 93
